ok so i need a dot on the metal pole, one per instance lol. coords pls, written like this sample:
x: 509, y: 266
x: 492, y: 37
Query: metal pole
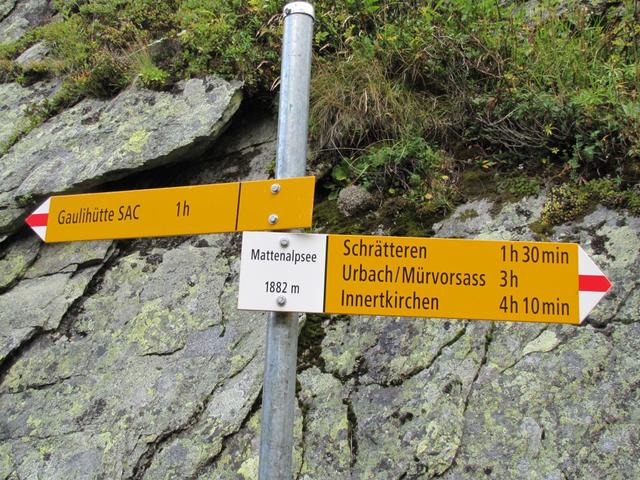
x: 278, y: 394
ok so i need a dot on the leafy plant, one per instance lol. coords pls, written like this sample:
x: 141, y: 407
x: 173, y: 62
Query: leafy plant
x: 150, y: 75
x: 409, y: 168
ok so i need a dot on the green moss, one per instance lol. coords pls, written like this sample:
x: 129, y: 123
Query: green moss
x: 518, y: 186
x: 477, y: 183
x: 395, y: 90
x: 24, y: 200
x: 310, y: 342
x: 468, y: 215
x: 569, y: 201
x: 36, y: 71
x: 9, y: 71
x: 327, y: 217
x: 398, y: 216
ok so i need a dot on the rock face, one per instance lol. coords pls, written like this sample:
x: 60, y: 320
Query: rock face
x: 14, y: 101
x: 130, y: 360
x: 98, y: 141
x: 35, y: 53
x: 46, y: 290
x: 18, y: 16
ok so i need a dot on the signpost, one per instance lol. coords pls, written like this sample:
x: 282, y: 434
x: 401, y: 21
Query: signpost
x: 289, y: 272
x: 419, y: 277
x: 225, y: 207
x: 279, y: 387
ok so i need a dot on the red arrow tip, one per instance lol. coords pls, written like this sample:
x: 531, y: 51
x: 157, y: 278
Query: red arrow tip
x: 37, y: 220
x: 593, y: 283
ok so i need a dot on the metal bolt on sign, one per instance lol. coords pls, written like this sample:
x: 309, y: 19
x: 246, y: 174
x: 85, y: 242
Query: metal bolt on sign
x: 278, y: 394
x: 273, y: 219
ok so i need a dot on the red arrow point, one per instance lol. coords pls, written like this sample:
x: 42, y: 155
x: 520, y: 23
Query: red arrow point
x: 593, y: 283
x: 37, y: 220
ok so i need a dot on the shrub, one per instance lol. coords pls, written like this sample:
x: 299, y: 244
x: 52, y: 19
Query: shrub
x: 354, y: 103
x: 9, y: 70
x: 225, y: 37
x: 409, y: 168
x: 150, y: 75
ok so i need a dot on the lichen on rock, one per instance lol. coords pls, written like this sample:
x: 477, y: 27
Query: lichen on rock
x: 98, y: 141
x: 19, y: 16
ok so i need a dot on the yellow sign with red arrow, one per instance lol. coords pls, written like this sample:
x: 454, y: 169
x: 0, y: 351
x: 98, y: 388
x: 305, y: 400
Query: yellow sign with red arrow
x: 419, y: 277
x: 226, y: 207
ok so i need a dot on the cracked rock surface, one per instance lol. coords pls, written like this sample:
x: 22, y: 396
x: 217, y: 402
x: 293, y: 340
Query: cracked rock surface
x: 404, y: 398
x: 15, y: 99
x: 130, y: 360
x: 49, y: 287
x: 98, y: 141
x: 18, y: 16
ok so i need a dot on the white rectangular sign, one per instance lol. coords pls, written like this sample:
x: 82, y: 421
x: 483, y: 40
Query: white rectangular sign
x: 282, y: 272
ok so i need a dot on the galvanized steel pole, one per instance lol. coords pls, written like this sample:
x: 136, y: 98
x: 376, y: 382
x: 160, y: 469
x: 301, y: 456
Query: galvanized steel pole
x: 278, y: 394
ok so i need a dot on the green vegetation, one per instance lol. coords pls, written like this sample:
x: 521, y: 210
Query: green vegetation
x: 524, y: 95
x: 409, y: 169
x: 568, y: 202
x: 151, y: 76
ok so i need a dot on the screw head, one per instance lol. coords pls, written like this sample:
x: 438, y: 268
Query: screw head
x: 273, y: 219
x: 281, y: 300
x: 284, y: 242
x: 275, y: 188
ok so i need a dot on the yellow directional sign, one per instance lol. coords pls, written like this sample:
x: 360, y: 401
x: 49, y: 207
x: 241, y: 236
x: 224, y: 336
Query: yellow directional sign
x: 419, y: 277
x: 227, y: 207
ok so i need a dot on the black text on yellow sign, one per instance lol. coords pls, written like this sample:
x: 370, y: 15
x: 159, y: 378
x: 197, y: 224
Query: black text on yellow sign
x: 227, y: 207
x: 419, y: 277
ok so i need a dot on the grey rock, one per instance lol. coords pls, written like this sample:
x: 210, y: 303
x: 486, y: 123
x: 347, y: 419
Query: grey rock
x: 68, y: 257
x: 353, y: 199
x: 415, y: 427
x: 18, y: 16
x: 157, y: 348
x: 35, y: 53
x: 240, y: 457
x: 5, y: 7
x: 16, y: 258
x: 186, y: 454
x: 245, y: 153
x: 155, y: 374
x: 97, y: 141
x: 567, y: 413
x: 467, y: 219
x: 474, y: 219
x: 154, y: 370
x: 612, y: 240
x: 326, y: 451
x: 41, y: 299
x: 434, y: 398
x: 14, y: 101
